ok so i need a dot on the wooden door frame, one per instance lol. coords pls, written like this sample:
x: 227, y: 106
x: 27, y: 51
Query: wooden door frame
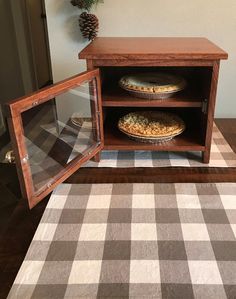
x: 25, y: 45
x: 16, y: 107
x: 29, y: 25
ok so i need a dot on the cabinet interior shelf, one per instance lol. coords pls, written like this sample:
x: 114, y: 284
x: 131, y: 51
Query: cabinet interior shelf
x: 116, y: 140
x: 114, y: 96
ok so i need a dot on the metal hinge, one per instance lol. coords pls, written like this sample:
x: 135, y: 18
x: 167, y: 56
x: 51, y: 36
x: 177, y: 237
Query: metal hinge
x: 49, y: 185
x: 88, y: 154
x: 204, y: 106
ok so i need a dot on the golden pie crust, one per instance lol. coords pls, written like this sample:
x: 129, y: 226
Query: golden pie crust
x: 154, y: 82
x: 152, y: 124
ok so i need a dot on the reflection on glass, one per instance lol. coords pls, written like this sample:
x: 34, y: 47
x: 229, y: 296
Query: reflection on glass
x: 59, y: 131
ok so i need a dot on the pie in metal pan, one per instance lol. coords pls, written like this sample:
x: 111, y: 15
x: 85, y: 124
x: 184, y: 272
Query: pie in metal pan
x: 151, y: 126
x: 153, y: 85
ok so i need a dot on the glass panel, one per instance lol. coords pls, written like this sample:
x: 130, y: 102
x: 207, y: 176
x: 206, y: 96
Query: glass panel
x: 60, y: 131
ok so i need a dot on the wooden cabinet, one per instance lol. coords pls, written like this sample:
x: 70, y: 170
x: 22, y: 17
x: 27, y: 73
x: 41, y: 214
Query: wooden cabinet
x: 196, y: 59
x: 57, y: 129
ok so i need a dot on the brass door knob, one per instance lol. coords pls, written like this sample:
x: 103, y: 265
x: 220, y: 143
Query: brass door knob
x: 10, y: 157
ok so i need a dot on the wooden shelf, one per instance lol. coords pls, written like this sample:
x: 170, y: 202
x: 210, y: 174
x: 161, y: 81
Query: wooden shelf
x: 116, y: 140
x: 114, y: 96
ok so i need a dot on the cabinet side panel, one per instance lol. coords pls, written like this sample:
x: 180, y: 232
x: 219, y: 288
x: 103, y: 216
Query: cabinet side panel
x: 211, y: 110
x: 97, y: 118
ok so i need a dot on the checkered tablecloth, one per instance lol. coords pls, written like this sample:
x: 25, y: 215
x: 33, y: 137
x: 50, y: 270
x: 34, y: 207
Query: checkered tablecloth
x: 222, y: 155
x: 133, y: 241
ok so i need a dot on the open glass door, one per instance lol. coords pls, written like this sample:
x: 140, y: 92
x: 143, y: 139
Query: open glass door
x: 54, y: 131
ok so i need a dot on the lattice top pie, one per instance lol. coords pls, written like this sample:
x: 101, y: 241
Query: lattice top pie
x: 151, y: 124
x: 153, y: 82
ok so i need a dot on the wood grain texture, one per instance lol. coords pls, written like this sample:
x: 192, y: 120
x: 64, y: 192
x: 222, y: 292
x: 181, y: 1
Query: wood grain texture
x: 141, y: 48
x: 153, y: 175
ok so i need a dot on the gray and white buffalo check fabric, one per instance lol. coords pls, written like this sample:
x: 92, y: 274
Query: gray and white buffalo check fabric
x: 133, y: 241
x: 222, y: 155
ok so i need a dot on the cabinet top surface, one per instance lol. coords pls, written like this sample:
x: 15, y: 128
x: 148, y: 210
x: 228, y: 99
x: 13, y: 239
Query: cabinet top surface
x: 152, y: 48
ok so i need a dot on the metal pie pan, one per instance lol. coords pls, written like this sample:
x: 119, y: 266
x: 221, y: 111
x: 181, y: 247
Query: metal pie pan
x: 151, y: 95
x: 176, y: 83
x: 158, y: 139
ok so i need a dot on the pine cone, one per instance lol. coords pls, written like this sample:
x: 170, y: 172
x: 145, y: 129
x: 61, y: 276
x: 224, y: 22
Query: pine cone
x: 89, y: 25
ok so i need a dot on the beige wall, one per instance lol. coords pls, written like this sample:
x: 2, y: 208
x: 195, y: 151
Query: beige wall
x: 215, y: 20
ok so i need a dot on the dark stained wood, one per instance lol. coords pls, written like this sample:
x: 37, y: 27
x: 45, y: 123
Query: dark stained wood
x: 8, y: 178
x: 145, y: 48
x: 21, y: 223
x: 15, y: 239
x: 153, y: 175
x: 16, y: 107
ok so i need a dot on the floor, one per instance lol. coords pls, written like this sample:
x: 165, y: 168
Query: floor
x: 18, y: 223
